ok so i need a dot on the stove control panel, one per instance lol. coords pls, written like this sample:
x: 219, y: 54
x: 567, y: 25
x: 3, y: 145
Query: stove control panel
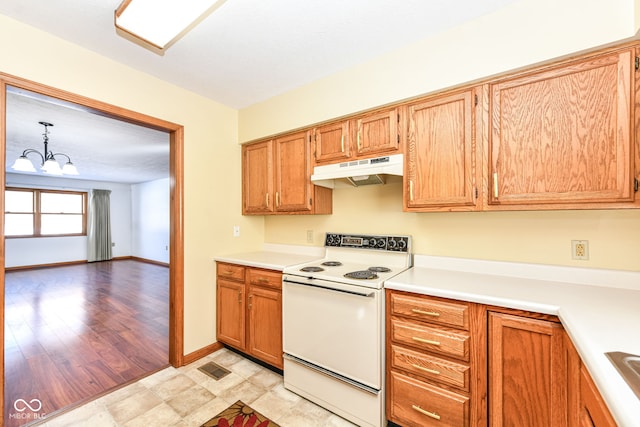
x: 361, y: 241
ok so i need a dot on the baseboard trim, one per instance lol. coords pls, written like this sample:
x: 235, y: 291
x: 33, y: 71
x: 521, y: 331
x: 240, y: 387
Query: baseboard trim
x: 55, y: 264
x: 66, y: 263
x: 199, y: 354
x: 148, y: 261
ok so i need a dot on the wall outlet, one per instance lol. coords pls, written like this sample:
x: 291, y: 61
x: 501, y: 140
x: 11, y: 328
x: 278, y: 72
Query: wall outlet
x: 309, y: 236
x: 236, y: 231
x: 580, y: 249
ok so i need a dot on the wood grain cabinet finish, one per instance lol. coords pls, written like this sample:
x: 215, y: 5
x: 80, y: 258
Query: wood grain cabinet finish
x: 586, y: 408
x: 561, y: 137
x: 249, y: 311
x: 443, y: 164
x: 371, y: 134
x: 257, y: 178
x: 265, y: 324
x: 377, y: 133
x: 276, y: 177
x: 435, y: 373
x: 331, y: 142
x: 527, y: 372
x: 230, y: 305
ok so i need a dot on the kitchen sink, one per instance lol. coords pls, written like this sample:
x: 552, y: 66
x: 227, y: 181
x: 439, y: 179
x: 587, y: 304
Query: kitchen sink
x: 629, y: 367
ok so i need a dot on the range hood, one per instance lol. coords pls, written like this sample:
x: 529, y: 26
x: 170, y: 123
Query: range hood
x: 358, y: 172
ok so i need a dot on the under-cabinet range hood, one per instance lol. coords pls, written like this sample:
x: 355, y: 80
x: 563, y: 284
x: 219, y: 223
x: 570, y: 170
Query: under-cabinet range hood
x: 358, y: 172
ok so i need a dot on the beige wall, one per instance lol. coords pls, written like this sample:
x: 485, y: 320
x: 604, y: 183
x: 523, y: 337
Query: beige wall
x: 524, y: 33
x: 212, y: 181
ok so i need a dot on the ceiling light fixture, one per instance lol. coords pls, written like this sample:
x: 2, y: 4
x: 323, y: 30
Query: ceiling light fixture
x: 49, y: 163
x: 159, y: 23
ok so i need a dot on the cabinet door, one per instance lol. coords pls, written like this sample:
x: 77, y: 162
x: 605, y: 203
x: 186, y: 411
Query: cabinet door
x: 265, y: 325
x: 527, y: 377
x: 332, y: 142
x: 562, y: 135
x: 441, y: 153
x: 377, y: 133
x: 230, y: 309
x: 257, y: 178
x: 293, y: 173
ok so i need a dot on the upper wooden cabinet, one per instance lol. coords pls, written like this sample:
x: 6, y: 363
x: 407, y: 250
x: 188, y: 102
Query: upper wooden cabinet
x: 367, y: 135
x: 443, y: 169
x: 560, y: 137
x: 277, y: 178
x: 376, y: 133
x: 331, y: 142
x: 257, y: 178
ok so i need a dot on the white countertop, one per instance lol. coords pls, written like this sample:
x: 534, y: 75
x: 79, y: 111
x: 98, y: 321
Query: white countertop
x: 599, y: 309
x: 274, y: 257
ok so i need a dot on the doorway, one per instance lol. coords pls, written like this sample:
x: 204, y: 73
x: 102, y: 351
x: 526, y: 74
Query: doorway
x: 176, y: 245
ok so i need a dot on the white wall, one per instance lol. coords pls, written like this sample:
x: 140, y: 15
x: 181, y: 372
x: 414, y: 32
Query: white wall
x: 150, y: 220
x: 46, y: 250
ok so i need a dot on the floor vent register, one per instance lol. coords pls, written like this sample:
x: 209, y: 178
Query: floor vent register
x: 214, y: 370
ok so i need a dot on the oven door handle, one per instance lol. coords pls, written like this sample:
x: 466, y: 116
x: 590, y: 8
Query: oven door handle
x: 330, y: 288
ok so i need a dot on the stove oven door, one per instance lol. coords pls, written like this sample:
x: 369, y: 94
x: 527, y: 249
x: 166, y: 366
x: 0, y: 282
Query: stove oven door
x: 337, y: 327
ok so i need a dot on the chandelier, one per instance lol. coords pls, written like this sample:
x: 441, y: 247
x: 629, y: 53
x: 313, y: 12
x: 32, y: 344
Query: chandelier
x: 48, y: 164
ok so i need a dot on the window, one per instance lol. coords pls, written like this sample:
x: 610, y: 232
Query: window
x: 38, y: 213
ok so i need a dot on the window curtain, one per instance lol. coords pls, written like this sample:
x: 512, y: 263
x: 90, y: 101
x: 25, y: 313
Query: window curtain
x: 99, y: 226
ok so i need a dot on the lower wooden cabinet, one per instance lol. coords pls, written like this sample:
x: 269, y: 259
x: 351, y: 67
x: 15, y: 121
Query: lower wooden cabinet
x: 419, y: 403
x: 265, y: 324
x: 249, y: 311
x: 434, y: 374
x: 456, y: 363
x: 586, y: 408
x: 527, y: 385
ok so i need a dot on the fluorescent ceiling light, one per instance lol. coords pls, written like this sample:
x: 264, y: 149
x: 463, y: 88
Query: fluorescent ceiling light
x: 160, y: 22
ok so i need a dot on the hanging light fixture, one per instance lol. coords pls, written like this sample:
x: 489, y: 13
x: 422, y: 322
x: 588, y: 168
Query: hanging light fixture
x: 49, y: 163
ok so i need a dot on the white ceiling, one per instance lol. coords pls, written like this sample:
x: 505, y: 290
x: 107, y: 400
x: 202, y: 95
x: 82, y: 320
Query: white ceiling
x: 244, y: 52
x: 103, y: 149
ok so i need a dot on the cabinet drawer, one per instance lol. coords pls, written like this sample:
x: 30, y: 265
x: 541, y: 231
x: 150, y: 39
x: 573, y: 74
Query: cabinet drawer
x: 439, y: 340
x: 231, y: 271
x: 414, y: 403
x: 430, y: 367
x: 429, y: 310
x: 270, y: 279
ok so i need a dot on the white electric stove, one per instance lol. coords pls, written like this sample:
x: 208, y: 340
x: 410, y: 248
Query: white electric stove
x: 333, y: 324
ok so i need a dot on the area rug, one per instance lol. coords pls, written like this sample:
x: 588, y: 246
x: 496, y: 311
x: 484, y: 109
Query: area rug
x: 239, y: 415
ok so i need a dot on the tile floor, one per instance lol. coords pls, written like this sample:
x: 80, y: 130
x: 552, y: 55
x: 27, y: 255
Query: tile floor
x: 185, y: 397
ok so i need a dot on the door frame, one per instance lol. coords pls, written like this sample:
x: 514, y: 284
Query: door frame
x: 176, y: 183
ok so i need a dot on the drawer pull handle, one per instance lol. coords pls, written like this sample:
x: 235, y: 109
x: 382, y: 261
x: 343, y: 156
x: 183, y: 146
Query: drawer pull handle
x: 422, y: 368
x: 228, y: 271
x: 426, y: 313
x: 263, y: 280
x: 422, y: 340
x: 427, y: 413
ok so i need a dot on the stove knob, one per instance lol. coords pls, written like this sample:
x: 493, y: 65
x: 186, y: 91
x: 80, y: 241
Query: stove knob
x: 372, y: 243
x: 381, y: 243
x: 391, y: 244
x: 402, y: 243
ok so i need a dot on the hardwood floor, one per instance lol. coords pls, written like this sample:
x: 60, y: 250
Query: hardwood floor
x: 74, y: 332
